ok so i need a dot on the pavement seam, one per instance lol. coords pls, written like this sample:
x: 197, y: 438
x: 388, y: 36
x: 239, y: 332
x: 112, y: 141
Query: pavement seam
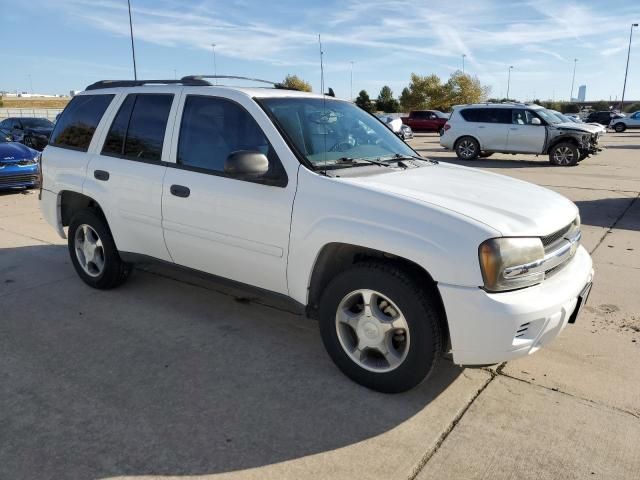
x: 620, y: 217
x: 614, y: 190
x: 28, y: 236
x: 443, y: 436
x: 557, y: 390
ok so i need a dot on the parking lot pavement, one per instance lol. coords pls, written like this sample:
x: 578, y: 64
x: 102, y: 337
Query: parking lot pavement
x: 173, y: 375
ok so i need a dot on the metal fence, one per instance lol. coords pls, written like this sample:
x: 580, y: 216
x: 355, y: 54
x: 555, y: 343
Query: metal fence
x: 48, y: 113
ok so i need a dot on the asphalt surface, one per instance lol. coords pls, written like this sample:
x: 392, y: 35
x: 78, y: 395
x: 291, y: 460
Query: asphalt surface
x: 174, y: 375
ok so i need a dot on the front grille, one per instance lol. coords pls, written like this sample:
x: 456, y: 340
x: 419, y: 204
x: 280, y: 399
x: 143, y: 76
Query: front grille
x: 16, y: 180
x: 555, y: 236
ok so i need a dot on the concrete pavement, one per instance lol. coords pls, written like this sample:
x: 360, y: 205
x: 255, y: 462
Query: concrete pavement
x: 172, y: 375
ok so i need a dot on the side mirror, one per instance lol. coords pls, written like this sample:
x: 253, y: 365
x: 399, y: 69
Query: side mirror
x: 536, y: 121
x: 245, y: 163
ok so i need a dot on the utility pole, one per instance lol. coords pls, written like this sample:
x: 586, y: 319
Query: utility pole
x: 575, y: 61
x: 627, y: 69
x: 463, y: 57
x: 351, y: 82
x: 133, y: 49
x: 509, y: 81
x: 215, y: 68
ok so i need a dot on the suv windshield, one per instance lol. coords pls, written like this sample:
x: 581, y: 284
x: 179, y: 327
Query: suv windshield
x: 36, y: 123
x: 327, y: 131
x: 547, y: 116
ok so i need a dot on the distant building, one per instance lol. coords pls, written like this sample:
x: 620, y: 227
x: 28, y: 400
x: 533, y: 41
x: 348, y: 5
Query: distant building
x: 582, y: 93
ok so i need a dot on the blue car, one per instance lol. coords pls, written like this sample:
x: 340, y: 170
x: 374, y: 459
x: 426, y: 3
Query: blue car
x: 19, y: 164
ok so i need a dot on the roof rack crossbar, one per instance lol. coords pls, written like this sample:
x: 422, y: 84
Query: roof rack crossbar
x: 189, y: 80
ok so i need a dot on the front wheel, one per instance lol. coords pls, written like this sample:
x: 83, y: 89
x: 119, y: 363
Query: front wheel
x: 564, y: 154
x: 379, y: 327
x: 467, y: 148
x: 93, y: 252
x: 619, y: 127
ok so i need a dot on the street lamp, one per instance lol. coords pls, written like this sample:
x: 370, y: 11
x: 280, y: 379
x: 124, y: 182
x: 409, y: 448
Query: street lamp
x: 351, y: 81
x: 215, y: 68
x: 463, y: 57
x: 575, y: 61
x: 509, y: 81
x: 627, y: 69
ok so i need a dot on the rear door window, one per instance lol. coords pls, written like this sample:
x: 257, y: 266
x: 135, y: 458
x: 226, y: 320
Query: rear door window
x: 137, y: 132
x: 79, y: 121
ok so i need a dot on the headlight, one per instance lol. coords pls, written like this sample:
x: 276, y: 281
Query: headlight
x: 506, y: 263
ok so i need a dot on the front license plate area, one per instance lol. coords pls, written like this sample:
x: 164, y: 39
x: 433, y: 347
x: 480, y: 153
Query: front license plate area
x: 582, y: 299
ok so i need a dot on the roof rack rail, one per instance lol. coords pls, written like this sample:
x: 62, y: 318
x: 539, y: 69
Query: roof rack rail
x: 189, y: 80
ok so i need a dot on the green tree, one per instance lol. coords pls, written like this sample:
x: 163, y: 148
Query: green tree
x: 601, y: 105
x: 570, y: 108
x: 364, y: 102
x: 386, y: 102
x: 294, y: 82
x: 634, y: 107
x: 430, y: 92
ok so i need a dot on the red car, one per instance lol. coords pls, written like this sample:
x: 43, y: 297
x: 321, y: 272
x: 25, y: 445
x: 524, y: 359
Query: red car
x: 426, y: 120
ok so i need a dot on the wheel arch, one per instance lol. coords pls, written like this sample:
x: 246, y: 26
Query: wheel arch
x: 455, y: 143
x: 562, y: 139
x: 336, y: 257
x: 71, y: 202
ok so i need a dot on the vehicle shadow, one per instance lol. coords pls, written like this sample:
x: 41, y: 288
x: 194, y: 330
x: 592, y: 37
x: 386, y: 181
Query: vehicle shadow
x: 604, y: 212
x: 630, y: 147
x: 166, y: 377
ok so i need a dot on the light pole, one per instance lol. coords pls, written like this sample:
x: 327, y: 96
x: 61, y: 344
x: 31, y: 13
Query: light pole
x: 351, y: 81
x: 215, y: 68
x: 575, y: 61
x: 133, y: 50
x: 509, y: 81
x: 627, y: 69
x: 463, y: 57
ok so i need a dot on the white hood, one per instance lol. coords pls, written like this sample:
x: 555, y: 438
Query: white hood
x: 513, y: 207
x: 585, y: 127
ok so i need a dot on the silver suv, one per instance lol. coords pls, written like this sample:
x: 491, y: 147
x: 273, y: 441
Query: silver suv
x: 480, y: 130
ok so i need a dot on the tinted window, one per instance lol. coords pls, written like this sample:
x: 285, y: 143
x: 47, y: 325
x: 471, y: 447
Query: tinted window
x: 138, y: 130
x: 213, y: 128
x: 470, y: 114
x: 79, y: 120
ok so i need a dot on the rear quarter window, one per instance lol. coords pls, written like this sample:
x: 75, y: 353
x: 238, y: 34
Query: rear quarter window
x: 471, y: 114
x: 79, y: 121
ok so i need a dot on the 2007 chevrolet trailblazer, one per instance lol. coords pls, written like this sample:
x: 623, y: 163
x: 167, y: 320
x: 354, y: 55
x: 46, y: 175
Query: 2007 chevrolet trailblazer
x: 312, y: 198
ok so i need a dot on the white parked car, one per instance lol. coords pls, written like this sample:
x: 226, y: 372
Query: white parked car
x: 620, y: 123
x: 312, y: 199
x: 480, y: 130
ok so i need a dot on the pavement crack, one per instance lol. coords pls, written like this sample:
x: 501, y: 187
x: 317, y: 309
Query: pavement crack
x: 617, y: 220
x: 443, y: 436
x: 578, y: 397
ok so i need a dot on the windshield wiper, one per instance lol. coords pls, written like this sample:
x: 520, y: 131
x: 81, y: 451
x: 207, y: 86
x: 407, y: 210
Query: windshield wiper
x: 368, y: 160
x: 398, y: 157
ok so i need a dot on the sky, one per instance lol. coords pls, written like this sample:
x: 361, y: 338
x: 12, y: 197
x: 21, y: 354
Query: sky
x: 62, y: 45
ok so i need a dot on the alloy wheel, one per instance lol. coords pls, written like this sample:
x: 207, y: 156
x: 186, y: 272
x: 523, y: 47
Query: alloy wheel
x: 467, y: 149
x: 372, y: 330
x: 563, y: 156
x: 89, y: 250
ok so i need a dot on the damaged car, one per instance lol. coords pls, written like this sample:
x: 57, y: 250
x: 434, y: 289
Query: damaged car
x: 480, y: 130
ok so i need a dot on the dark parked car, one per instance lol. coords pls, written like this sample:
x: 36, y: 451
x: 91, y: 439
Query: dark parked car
x: 426, y: 120
x: 31, y: 131
x: 603, y: 117
x: 19, y: 164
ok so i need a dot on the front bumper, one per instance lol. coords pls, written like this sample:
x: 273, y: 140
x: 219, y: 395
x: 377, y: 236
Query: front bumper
x: 14, y: 176
x: 488, y: 328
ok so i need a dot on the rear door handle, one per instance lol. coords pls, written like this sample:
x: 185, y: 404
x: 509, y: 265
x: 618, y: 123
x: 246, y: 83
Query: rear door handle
x: 101, y: 175
x: 180, y: 191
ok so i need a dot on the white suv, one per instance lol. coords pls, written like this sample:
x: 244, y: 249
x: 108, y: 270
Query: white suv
x: 313, y: 199
x: 480, y: 130
x: 620, y: 123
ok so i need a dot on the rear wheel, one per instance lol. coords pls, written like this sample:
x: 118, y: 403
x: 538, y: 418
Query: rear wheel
x: 619, y: 127
x: 564, y: 154
x: 467, y: 148
x: 93, y: 252
x: 379, y: 327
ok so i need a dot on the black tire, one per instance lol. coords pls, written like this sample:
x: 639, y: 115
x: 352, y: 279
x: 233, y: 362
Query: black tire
x: 485, y: 154
x: 619, y: 127
x: 467, y: 148
x: 114, y: 272
x: 418, y: 308
x: 564, y: 154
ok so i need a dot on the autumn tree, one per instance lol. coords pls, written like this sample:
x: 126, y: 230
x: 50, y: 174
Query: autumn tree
x: 294, y: 82
x: 429, y: 92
